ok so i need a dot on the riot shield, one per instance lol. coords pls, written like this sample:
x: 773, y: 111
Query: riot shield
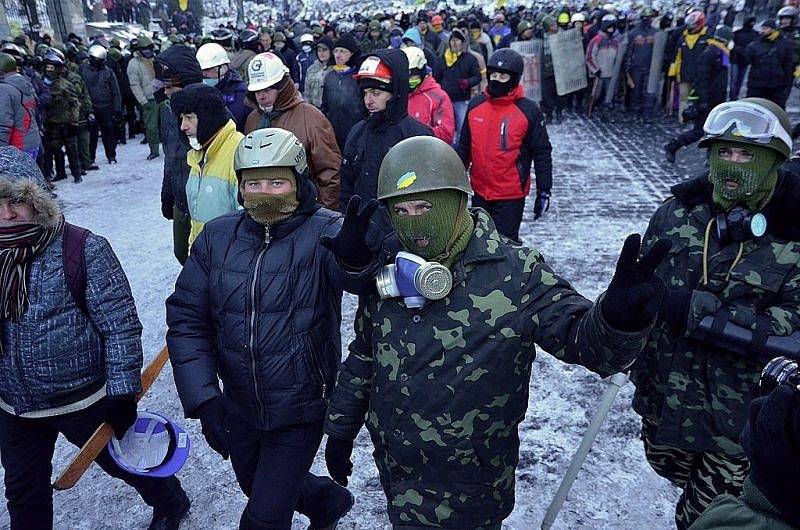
x: 531, y: 52
x: 569, y: 61
x: 657, y: 61
x: 617, y: 73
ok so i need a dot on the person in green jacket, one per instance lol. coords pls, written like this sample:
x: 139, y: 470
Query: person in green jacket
x: 441, y: 362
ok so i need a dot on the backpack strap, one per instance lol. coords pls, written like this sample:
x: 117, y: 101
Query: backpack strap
x: 74, y: 240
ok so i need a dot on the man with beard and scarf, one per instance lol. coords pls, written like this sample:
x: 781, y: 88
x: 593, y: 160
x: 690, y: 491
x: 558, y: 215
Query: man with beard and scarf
x: 211, y: 189
x: 500, y: 168
x: 279, y: 104
x: 734, y: 264
x: 383, y: 81
x: 81, y: 367
x: 258, y: 307
x: 443, y: 347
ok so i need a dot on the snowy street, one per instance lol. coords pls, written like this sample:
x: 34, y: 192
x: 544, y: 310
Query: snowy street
x: 608, y: 179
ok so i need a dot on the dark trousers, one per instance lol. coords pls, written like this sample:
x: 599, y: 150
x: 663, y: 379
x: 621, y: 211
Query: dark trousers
x: 551, y: 101
x: 56, y: 137
x: 181, y: 227
x: 777, y: 94
x: 104, y: 124
x: 26, y: 452
x: 272, y: 468
x: 507, y: 215
x: 642, y: 103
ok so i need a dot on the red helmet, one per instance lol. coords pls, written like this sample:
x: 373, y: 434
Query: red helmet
x: 373, y: 68
x: 695, y: 20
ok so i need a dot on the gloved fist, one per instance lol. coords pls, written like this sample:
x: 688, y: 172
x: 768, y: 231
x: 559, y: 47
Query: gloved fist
x: 337, y: 459
x: 212, y: 415
x: 166, y: 210
x: 349, y: 245
x: 463, y: 84
x: 121, y: 414
x: 542, y: 204
x: 635, y: 292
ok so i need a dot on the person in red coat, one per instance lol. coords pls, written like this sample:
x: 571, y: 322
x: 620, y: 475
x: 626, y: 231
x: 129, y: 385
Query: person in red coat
x: 427, y: 102
x: 502, y: 134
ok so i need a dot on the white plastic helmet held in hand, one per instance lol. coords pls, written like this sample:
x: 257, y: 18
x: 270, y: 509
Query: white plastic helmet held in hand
x: 264, y: 71
x: 212, y: 54
x: 416, y: 58
x: 154, y: 447
x: 270, y: 147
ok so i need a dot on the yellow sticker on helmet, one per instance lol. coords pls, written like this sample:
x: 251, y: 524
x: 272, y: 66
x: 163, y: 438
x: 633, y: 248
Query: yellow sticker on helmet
x: 406, y: 180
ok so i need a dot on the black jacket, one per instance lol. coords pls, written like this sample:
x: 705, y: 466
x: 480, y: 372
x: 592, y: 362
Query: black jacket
x: 711, y: 81
x: 176, y: 170
x: 370, y: 139
x: 741, y: 39
x: 771, y: 63
x: 342, y: 103
x: 102, y: 86
x: 466, y: 67
x: 260, y: 312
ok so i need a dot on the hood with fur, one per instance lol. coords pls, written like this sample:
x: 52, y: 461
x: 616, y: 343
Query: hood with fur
x: 20, y: 178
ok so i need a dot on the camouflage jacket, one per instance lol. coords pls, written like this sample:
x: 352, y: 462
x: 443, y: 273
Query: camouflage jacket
x: 86, y: 106
x: 698, y: 393
x: 444, y: 388
x: 64, y: 103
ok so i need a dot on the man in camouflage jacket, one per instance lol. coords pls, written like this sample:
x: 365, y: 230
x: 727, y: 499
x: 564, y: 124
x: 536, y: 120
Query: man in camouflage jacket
x: 444, y: 387
x: 693, y: 394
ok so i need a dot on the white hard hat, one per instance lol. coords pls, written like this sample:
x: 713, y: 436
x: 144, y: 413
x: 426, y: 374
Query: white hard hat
x: 212, y: 54
x: 264, y: 71
x: 416, y: 57
x: 307, y: 37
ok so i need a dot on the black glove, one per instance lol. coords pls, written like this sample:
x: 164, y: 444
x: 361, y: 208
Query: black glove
x: 349, y: 245
x: 337, y: 459
x: 166, y: 210
x: 542, y: 204
x: 771, y: 441
x: 675, y: 308
x: 91, y: 119
x: 121, y: 414
x: 635, y: 293
x: 212, y: 415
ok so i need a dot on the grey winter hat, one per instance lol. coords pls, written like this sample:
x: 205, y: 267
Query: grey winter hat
x: 20, y: 178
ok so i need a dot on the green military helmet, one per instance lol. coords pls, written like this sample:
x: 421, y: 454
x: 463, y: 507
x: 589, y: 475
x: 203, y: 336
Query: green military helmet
x: 144, y: 42
x: 270, y: 147
x: 777, y: 138
x: 724, y: 34
x: 523, y: 26
x: 418, y: 164
x: 115, y: 43
x: 7, y: 63
x: 374, y: 25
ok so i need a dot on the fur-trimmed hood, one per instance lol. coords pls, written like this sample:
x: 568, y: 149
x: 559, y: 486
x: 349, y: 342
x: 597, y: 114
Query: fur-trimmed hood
x: 20, y: 178
x: 780, y: 211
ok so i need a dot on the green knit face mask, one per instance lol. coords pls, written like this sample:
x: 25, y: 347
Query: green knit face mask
x: 755, y: 179
x: 428, y: 235
x: 269, y: 208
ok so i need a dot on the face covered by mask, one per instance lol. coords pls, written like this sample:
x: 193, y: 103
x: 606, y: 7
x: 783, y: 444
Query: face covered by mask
x: 756, y: 179
x: 194, y: 143
x: 307, y: 48
x: 498, y: 89
x: 269, y: 208
x: 210, y: 82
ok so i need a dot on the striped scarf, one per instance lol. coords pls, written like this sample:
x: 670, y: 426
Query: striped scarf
x: 20, y: 243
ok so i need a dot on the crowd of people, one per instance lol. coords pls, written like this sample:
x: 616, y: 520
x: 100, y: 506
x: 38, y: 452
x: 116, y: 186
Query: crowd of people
x: 392, y: 157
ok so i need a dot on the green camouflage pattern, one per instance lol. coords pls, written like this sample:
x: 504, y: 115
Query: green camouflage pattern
x: 698, y: 394
x: 444, y: 388
x: 750, y: 511
x: 64, y: 105
x: 85, y: 100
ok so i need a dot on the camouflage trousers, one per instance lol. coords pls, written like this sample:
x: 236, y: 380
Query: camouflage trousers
x: 701, y: 475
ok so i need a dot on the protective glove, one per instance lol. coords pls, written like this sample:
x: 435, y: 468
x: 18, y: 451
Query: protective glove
x: 121, y: 414
x: 212, y: 415
x: 542, y: 204
x: 674, y: 308
x: 349, y: 245
x: 91, y: 119
x: 771, y: 441
x: 463, y: 84
x: 166, y: 210
x: 337, y: 459
x: 635, y: 292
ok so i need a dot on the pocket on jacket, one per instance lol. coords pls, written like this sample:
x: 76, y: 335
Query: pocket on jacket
x: 732, y: 386
x: 316, y: 366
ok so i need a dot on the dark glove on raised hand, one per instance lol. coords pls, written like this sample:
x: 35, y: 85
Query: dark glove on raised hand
x: 350, y: 245
x: 675, y: 309
x: 635, y: 292
x: 212, y: 416
x: 771, y: 441
x: 542, y: 204
x: 337, y: 459
x: 121, y: 414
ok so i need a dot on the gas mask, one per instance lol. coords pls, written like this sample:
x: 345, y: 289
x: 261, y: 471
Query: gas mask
x: 414, y: 279
x: 740, y: 224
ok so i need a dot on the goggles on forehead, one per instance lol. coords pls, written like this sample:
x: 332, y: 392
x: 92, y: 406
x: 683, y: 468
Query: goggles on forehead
x: 746, y: 120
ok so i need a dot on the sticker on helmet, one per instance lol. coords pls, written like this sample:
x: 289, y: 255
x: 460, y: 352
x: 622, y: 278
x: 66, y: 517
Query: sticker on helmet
x: 406, y: 180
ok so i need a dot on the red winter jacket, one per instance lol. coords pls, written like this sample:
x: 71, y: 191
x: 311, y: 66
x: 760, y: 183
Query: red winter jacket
x: 430, y: 105
x: 501, y: 137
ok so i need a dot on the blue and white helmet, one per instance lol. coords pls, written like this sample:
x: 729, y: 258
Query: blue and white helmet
x: 154, y: 447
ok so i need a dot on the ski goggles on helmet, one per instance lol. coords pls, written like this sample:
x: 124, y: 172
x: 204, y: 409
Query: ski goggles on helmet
x: 747, y: 120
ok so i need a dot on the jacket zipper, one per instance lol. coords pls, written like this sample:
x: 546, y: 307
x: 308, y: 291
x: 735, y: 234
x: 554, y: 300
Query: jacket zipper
x: 318, y: 366
x: 503, y: 139
x: 252, y: 342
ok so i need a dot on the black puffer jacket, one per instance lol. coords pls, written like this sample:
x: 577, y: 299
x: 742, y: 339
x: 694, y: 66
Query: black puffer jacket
x: 711, y: 82
x: 342, y: 103
x: 260, y: 312
x: 371, y: 139
x: 771, y: 62
x: 102, y: 86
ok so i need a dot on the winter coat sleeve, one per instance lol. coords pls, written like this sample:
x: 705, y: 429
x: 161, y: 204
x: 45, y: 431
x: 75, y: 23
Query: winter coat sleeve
x: 10, y: 118
x: 702, y: 81
x: 190, y: 333
x: 473, y: 70
x: 570, y: 327
x: 591, y: 57
x: 112, y: 311
x: 464, y: 145
x: 443, y: 118
x: 350, y: 400
x: 135, y: 80
x: 116, y: 96
x: 325, y: 161
x: 538, y: 143
x: 350, y: 169
x: 167, y: 196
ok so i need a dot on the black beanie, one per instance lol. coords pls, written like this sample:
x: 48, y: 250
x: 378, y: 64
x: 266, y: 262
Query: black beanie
x: 205, y: 101
x: 328, y: 42
x: 178, y: 64
x: 348, y: 42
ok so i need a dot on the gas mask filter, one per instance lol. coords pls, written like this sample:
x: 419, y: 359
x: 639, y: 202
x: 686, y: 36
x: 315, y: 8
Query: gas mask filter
x: 414, y: 279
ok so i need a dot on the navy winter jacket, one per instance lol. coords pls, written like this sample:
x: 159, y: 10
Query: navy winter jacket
x: 234, y: 92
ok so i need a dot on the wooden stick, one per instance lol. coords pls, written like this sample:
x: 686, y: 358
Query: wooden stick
x: 95, y: 444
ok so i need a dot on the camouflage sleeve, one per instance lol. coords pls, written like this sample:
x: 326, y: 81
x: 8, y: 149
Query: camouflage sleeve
x: 571, y: 328
x: 347, y: 409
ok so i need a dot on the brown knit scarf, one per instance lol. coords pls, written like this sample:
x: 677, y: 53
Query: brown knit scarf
x: 20, y: 243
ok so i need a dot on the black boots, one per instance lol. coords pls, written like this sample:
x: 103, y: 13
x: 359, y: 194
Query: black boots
x: 670, y: 150
x: 169, y: 517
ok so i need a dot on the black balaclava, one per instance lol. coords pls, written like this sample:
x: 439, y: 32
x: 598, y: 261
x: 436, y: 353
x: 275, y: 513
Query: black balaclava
x: 497, y: 89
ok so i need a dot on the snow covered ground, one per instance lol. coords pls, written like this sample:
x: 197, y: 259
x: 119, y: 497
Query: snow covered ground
x: 607, y: 182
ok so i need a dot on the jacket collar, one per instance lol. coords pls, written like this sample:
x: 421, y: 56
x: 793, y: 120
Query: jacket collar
x: 515, y: 94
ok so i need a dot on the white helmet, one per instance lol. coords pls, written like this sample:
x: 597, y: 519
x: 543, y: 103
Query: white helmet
x: 270, y: 147
x: 416, y: 58
x: 307, y: 37
x: 265, y: 70
x: 212, y: 54
x: 98, y: 52
x: 578, y: 17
